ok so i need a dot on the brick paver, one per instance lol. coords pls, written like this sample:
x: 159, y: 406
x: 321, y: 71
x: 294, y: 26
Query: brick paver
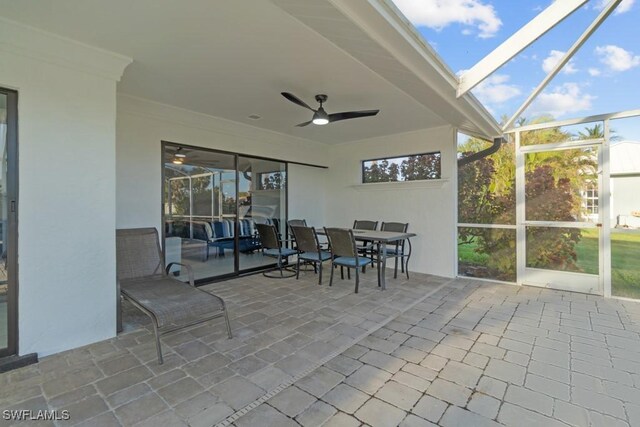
x: 472, y: 353
x: 479, y: 354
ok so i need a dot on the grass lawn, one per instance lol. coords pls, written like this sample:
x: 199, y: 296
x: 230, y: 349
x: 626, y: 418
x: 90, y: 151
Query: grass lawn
x: 625, y: 263
x: 625, y: 259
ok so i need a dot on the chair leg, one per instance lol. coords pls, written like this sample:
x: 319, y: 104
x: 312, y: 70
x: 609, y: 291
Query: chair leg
x: 298, y: 269
x: 342, y: 272
x: 406, y: 263
x: 349, y: 273
x: 158, y: 348
x: 320, y: 269
x: 357, y: 278
x: 226, y: 320
x: 331, y: 278
x: 395, y: 270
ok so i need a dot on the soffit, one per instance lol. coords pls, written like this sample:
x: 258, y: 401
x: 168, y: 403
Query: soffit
x: 229, y: 60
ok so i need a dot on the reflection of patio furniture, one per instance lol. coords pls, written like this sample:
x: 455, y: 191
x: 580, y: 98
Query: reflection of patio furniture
x: 142, y: 280
x: 195, y: 249
x: 217, y: 234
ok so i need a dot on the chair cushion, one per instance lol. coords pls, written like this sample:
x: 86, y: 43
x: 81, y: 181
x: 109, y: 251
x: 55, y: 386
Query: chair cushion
x: 351, y: 261
x: 171, y: 301
x: 285, y: 252
x: 313, y: 256
x: 208, y: 230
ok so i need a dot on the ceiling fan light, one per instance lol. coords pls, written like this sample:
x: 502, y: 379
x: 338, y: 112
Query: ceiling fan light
x: 320, y: 117
x: 177, y: 161
x: 180, y: 155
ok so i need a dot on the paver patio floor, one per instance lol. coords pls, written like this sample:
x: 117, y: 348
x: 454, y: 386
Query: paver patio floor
x: 478, y: 354
x: 282, y: 329
x: 428, y: 351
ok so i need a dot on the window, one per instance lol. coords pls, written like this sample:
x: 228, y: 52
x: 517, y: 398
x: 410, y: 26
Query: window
x: 412, y: 167
x: 271, y: 180
x: 591, y: 199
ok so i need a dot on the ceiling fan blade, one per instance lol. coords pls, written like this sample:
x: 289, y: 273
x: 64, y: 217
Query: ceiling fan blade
x: 291, y: 97
x: 304, y: 124
x: 351, y: 115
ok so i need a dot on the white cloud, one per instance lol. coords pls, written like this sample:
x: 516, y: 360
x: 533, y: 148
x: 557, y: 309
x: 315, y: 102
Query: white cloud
x: 623, y: 7
x: 565, y: 99
x: 616, y: 58
x: 552, y: 60
x: 594, y: 72
x: 496, y: 90
x: 437, y: 14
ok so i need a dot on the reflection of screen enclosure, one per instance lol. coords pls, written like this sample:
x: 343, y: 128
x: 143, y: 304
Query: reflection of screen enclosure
x: 212, y: 202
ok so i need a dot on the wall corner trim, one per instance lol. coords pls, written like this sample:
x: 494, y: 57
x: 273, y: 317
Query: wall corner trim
x: 24, y: 40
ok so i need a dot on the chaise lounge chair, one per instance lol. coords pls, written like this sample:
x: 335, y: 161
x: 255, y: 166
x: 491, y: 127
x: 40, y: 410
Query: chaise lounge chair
x: 170, y: 303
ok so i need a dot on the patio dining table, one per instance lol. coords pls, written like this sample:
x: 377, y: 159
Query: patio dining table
x: 380, y: 239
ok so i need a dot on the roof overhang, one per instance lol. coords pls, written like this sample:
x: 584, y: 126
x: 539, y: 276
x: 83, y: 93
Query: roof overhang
x: 378, y: 35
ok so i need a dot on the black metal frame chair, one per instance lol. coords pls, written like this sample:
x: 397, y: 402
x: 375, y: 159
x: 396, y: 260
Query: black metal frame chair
x: 345, y: 253
x: 366, y: 248
x: 310, y: 250
x: 143, y: 281
x: 397, y: 251
x: 272, y: 247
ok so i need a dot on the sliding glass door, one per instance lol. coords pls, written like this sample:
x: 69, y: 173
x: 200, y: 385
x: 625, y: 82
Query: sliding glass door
x: 263, y: 199
x: 212, y: 201
x: 8, y: 209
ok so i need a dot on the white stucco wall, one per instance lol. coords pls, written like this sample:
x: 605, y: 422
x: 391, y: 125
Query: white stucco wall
x: 322, y: 196
x: 308, y: 196
x: 624, y: 200
x: 143, y: 125
x: 66, y: 219
x: 428, y: 207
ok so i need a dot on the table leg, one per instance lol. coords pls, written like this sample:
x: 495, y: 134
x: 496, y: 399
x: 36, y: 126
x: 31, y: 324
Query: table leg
x: 382, y: 254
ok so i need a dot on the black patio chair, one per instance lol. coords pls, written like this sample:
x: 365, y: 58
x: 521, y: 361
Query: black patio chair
x: 272, y: 247
x: 345, y: 253
x: 366, y: 248
x: 397, y: 250
x: 310, y: 250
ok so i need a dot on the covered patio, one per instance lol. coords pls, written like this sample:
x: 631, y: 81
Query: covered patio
x: 425, y: 352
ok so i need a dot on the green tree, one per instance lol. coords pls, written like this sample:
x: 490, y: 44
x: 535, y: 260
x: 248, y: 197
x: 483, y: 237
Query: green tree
x: 552, y: 191
x: 425, y: 166
x: 394, y: 172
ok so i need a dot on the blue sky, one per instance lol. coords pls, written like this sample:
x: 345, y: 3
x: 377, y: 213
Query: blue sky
x: 603, y: 77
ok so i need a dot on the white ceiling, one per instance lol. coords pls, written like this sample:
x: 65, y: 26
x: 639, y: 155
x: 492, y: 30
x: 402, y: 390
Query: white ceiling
x: 231, y: 59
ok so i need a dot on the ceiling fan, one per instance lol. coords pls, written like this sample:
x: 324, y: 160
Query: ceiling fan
x: 320, y: 116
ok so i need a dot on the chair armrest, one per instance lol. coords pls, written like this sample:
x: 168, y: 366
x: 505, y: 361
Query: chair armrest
x: 189, y: 271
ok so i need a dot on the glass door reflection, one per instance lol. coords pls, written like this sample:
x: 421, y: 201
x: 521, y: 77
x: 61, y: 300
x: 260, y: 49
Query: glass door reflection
x: 200, y: 211
x: 262, y: 200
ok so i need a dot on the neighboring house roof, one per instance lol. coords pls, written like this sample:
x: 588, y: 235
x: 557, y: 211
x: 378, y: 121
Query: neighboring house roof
x: 625, y: 157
